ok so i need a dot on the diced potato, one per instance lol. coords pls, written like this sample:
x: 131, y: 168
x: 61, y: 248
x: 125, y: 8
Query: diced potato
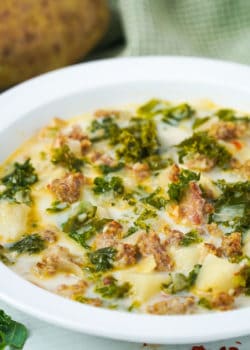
x: 216, y: 275
x: 186, y: 257
x: 13, y: 221
x: 145, y: 285
x: 146, y: 265
x: 246, y: 248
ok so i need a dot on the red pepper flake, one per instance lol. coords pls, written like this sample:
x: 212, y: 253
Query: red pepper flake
x: 237, y: 144
x: 198, y: 347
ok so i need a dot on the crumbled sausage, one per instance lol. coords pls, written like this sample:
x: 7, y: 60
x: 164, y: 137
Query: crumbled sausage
x: 173, y: 305
x: 231, y: 244
x: 214, y: 230
x: 212, y: 249
x: 149, y: 243
x: 126, y: 254
x: 72, y: 290
x: 141, y: 170
x: 222, y: 301
x: 200, y: 162
x: 105, y: 113
x: 174, y: 172
x: 49, y: 235
x: 173, y: 236
x: 58, y: 259
x: 192, y: 205
x: 67, y: 189
x: 227, y: 130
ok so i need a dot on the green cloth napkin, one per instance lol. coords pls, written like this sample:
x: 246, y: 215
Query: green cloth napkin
x: 210, y: 28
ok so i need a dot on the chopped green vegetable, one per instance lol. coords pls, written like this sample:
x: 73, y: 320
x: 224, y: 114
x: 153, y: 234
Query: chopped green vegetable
x: 175, y: 115
x: 203, y: 144
x: 64, y: 157
x: 106, y: 169
x: 31, y: 244
x: 177, y: 189
x: 12, y: 334
x: 3, y: 256
x: 203, y: 302
x: 229, y: 115
x: 157, y: 162
x: 103, y: 129
x: 18, y: 183
x: 57, y: 206
x: 145, y: 215
x: 131, y: 230
x: 179, y: 282
x: 138, y: 141
x: 102, y: 185
x: 151, y: 108
x: 155, y: 200
x: 189, y: 238
x: 102, y: 259
x: 200, y: 121
x: 232, y: 208
x: 109, y: 288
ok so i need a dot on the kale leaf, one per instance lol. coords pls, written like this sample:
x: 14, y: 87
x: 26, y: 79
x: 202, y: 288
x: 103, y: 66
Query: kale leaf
x: 109, y: 288
x: 103, y: 129
x: 102, y: 259
x: 12, y: 334
x: 229, y: 115
x: 155, y: 200
x: 177, y: 189
x: 189, y: 238
x: 102, y: 185
x: 64, y: 157
x: 175, y: 115
x: 18, y: 183
x: 106, y: 169
x: 30, y: 244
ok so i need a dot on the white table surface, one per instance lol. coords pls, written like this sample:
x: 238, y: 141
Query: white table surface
x: 43, y: 336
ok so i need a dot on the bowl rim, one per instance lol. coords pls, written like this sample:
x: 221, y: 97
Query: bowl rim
x: 181, y: 329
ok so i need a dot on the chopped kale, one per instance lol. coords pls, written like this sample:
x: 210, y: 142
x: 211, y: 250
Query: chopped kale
x: 131, y: 230
x: 102, y: 185
x: 177, y: 189
x: 155, y: 200
x: 175, y: 115
x: 18, y: 183
x: 178, y: 282
x: 109, y: 288
x: 4, y: 256
x: 189, y: 238
x: 64, y: 157
x: 157, y: 162
x: 151, y: 108
x: 106, y: 169
x: 57, y: 206
x: 84, y: 224
x: 145, y: 215
x: 200, y: 121
x: 203, y: 144
x: 138, y: 141
x: 229, y: 115
x: 102, y: 259
x: 12, y: 334
x: 31, y: 244
x: 103, y: 129
x: 205, y: 303
x: 232, y: 208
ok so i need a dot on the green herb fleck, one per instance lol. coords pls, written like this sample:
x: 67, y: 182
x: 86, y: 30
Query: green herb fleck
x: 103, y: 129
x: 109, y: 288
x: 156, y: 162
x: 200, y: 121
x: 106, y: 169
x: 102, y: 185
x: 31, y: 244
x: 64, y: 157
x: 102, y: 259
x: 205, y: 303
x: 229, y: 115
x: 155, y: 200
x: 18, y: 183
x: 175, y: 115
x: 189, y: 238
x: 177, y: 189
x: 57, y: 206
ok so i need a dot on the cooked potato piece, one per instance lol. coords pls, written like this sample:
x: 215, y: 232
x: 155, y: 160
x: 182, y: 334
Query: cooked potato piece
x: 13, y: 221
x: 216, y: 275
x: 185, y: 258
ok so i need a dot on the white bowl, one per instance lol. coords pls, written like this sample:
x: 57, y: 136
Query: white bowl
x: 88, y: 86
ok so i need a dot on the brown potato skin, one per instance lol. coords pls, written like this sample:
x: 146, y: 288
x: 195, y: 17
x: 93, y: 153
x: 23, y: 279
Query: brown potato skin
x: 37, y: 36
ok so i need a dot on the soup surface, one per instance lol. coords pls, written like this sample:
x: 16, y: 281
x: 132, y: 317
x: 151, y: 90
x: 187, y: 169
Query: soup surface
x: 144, y: 208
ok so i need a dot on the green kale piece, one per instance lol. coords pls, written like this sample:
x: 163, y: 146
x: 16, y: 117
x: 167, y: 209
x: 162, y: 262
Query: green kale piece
x: 175, y: 115
x: 138, y: 141
x: 177, y: 189
x: 109, y: 288
x: 106, y: 169
x: 103, y: 129
x: 157, y: 162
x: 232, y: 208
x: 64, y: 157
x: 205, y: 303
x: 31, y: 244
x: 229, y: 115
x: 199, y: 121
x: 18, y: 183
x: 155, y: 200
x: 179, y: 282
x: 143, y: 217
x: 151, y: 108
x: 191, y: 237
x: 102, y: 185
x: 57, y: 206
x: 203, y: 144
x: 102, y: 259
x: 12, y: 334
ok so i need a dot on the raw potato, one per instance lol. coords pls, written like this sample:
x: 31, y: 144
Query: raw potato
x: 13, y: 221
x: 216, y: 274
x: 40, y: 35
